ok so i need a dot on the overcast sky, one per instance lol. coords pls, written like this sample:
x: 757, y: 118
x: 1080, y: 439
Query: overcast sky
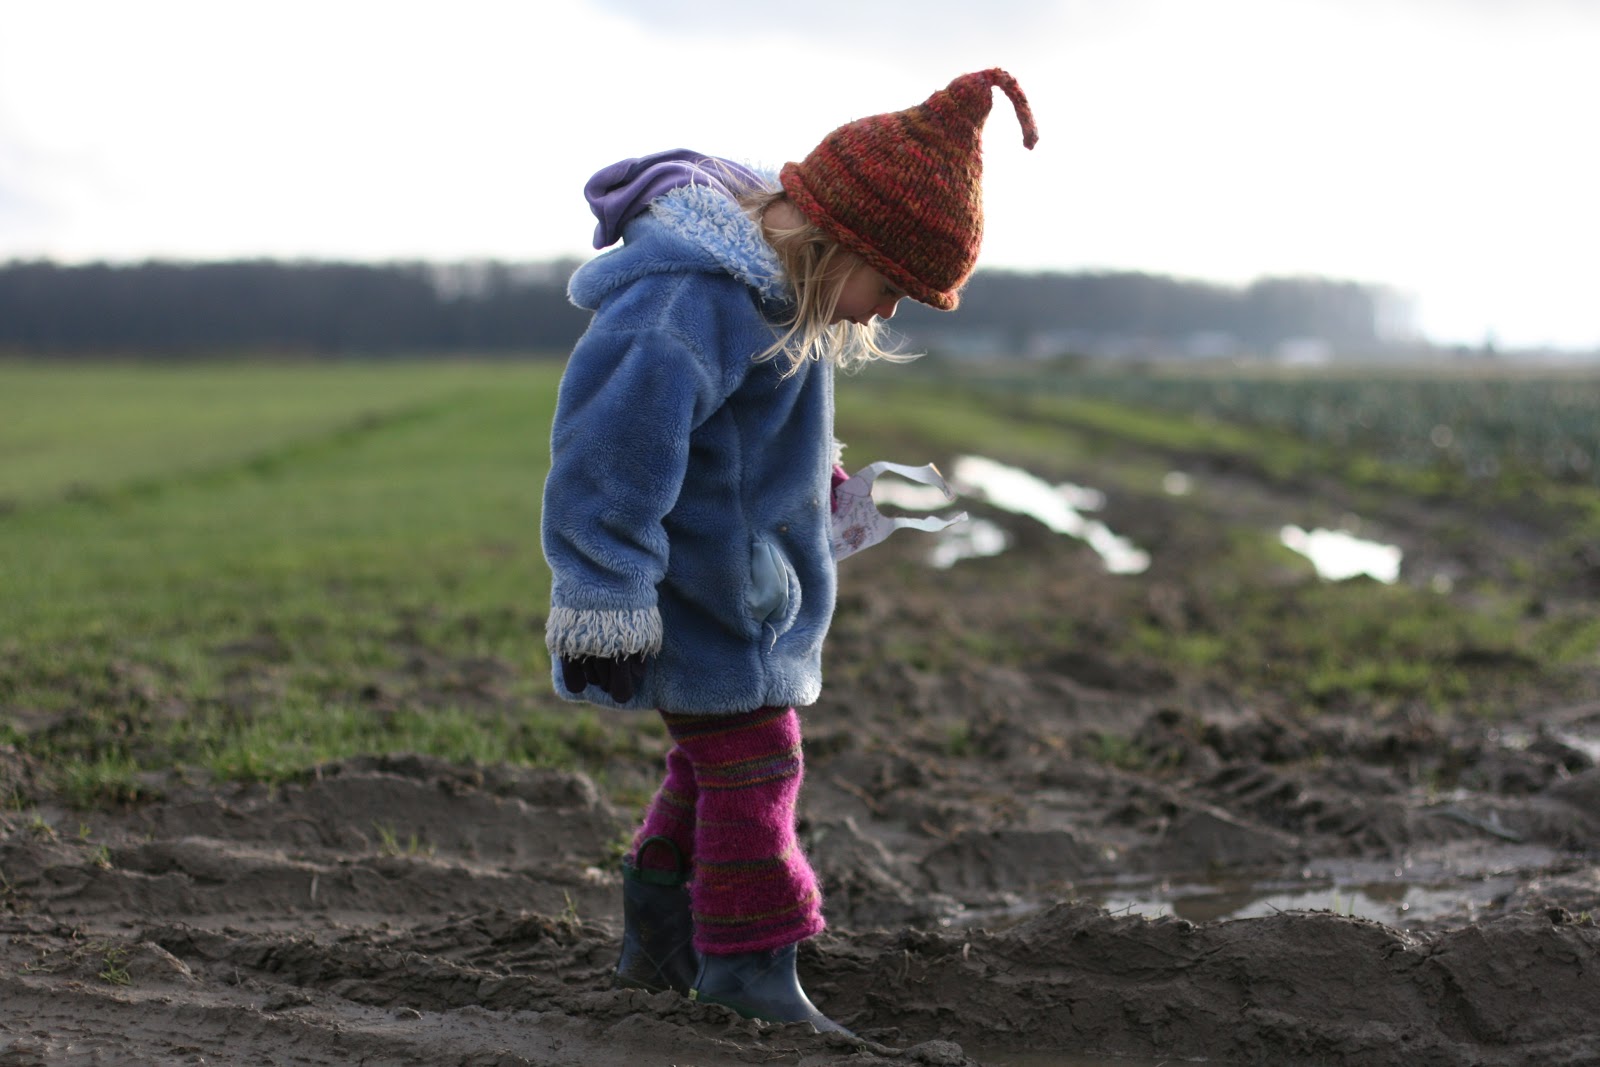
x: 1445, y: 147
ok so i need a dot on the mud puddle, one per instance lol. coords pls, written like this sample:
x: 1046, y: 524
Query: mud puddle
x: 1384, y: 902
x: 1417, y: 894
x: 1058, y: 507
x: 1338, y: 554
x: 1449, y: 886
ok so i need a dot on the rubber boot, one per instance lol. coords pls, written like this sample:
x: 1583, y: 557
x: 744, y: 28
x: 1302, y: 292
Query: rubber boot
x: 760, y: 985
x: 657, y: 927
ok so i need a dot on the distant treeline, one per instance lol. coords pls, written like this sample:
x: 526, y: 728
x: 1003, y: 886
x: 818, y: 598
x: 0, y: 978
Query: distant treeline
x: 315, y: 308
x: 288, y: 307
x: 1032, y: 309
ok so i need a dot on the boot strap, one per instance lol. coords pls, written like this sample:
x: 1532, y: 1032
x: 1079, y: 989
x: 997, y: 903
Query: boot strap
x: 650, y: 876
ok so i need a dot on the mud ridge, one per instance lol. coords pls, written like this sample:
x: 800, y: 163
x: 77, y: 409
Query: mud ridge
x: 1314, y: 988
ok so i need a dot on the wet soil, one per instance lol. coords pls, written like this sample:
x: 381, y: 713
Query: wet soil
x: 1031, y: 847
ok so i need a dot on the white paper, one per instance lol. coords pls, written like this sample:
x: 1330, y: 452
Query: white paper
x: 858, y: 524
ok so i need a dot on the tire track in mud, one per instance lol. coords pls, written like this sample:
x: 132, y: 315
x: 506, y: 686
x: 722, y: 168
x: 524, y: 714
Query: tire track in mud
x: 373, y: 996
x: 251, y: 1024
x: 399, y: 836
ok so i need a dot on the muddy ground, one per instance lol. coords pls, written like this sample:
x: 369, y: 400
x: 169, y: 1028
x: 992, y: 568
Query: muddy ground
x: 1053, y: 853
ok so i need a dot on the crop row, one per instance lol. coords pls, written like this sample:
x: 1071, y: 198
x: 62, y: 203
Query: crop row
x: 1480, y: 427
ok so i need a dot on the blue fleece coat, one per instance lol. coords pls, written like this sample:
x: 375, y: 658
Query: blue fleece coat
x: 687, y: 510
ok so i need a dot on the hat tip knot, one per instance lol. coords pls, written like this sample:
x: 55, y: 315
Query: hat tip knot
x: 972, y: 91
x: 1003, y: 81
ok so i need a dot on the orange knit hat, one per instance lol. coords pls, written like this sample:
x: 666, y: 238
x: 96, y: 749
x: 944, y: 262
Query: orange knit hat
x: 904, y: 190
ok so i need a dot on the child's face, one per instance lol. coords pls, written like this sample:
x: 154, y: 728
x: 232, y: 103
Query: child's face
x: 866, y: 293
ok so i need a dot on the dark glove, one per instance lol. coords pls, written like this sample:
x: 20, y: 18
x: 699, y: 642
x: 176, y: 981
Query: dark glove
x: 617, y: 677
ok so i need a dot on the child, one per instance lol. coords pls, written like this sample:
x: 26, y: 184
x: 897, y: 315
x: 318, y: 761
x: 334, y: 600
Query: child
x: 686, y: 516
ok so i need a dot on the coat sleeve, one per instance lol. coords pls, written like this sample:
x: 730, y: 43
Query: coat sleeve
x: 619, y: 449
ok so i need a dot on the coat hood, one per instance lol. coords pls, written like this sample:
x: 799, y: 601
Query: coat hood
x: 618, y: 193
x: 693, y: 228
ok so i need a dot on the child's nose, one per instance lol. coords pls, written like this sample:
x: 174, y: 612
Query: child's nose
x: 885, y: 310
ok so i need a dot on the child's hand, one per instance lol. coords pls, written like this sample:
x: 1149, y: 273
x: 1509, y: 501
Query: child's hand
x: 618, y: 678
x: 840, y: 476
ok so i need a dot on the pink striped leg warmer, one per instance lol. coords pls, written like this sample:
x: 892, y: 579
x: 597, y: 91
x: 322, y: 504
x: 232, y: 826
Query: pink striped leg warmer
x: 753, y: 888
x: 670, y: 815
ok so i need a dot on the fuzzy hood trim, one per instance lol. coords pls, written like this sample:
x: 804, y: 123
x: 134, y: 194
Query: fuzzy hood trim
x: 691, y: 228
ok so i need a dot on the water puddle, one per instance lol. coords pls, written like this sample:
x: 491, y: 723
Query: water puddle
x: 1589, y: 746
x: 997, y: 917
x: 1582, y: 737
x: 1059, y: 508
x: 1338, y: 555
x: 1177, y: 483
x: 892, y: 490
x: 972, y: 539
x: 1455, y: 881
x: 1390, y: 903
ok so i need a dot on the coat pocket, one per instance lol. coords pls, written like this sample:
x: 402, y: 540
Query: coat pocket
x: 774, y: 595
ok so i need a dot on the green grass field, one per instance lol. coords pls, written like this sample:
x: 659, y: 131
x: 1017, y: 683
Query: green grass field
x: 168, y: 502
x: 163, y: 524
x: 241, y: 570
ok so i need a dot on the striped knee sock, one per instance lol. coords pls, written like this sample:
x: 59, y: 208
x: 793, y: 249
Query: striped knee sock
x: 670, y: 815
x: 753, y: 888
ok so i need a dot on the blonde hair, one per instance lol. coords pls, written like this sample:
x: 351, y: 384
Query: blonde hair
x: 817, y: 267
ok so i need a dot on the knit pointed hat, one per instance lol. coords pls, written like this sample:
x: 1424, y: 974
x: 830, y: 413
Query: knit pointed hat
x: 904, y: 190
